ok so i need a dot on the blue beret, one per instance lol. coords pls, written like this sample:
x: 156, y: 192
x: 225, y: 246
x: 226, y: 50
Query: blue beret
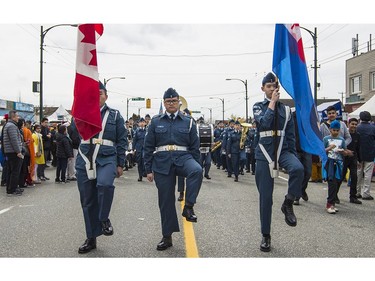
x: 231, y: 121
x: 142, y: 120
x: 335, y: 125
x: 170, y: 93
x: 147, y: 115
x: 101, y: 86
x: 269, y: 78
x: 237, y: 122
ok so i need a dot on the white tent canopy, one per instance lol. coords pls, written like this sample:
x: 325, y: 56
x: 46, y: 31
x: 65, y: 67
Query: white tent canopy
x: 60, y: 115
x: 368, y: 106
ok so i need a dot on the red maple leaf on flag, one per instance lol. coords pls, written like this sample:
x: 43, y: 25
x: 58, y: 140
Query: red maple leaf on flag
x: 86, y: 108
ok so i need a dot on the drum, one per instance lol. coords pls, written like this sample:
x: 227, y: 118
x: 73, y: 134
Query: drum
x: 206, y: 135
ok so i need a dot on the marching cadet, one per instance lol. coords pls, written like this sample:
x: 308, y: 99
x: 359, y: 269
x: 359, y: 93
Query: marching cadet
x: 172, y: 149
x: 276, y: 146
x: 233, y: 149
x: 138, y: 142
x: 226, y: 133
x: 217, y: 133
x: 95, y: 184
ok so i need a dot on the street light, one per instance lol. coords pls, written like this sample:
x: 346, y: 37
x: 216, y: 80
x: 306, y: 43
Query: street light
x: 222, y: 100
x: 107, y: 80
x: 42, y: 35
x: 210, y: 109
x: 314, y: 35
x: 246, y: 98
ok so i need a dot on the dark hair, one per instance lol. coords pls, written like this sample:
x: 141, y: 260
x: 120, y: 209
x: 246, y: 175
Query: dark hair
x: 21, y: 121
x: 353, y: 119
x: 62, y: 129
x: 44, y: 119
x: 36, y: 126
x: 330, y: 108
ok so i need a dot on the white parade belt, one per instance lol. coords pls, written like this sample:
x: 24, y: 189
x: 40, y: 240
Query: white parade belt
x: 98, y: 141
x: 171, y: 147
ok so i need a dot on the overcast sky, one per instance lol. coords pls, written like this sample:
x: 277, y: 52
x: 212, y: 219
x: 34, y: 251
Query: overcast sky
x: 195, y: 59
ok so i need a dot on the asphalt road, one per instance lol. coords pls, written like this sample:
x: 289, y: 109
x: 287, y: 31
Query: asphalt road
x: 46, y: 221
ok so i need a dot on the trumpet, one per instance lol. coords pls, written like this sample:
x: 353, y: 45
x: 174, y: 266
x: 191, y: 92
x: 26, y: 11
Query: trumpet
x: 216, y: 145
x: 246, y: 127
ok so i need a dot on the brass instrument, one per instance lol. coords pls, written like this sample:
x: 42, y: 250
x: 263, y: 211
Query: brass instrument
x: 183, y: 103
x: 245, y: 129
x: 216, y: 145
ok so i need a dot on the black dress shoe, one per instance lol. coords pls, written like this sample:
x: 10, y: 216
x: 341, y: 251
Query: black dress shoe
x: 265, y: 245
x: 107, y: 228
x: 189, y: 214
x: 359, y: 196
x: 89, y: 245
x: 355, y: 201
x: 287, y: 209
x: 236, y: 179
x: 368, y: 198
x: 305, y: 197
x: 253, y: 173
x: 229, y: 176
x: 140, y: 179
x: 164, y: 244
x: 207, y: 177
x: 181, y: 197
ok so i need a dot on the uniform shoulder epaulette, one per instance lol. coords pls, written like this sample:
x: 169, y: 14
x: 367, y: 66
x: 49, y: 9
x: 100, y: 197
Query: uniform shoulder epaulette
x: 156, y: 116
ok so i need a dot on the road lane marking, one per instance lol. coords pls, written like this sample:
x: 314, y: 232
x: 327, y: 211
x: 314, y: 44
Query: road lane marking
x: 280, y: 177
x: 190, y: 243
x: 6, y: 210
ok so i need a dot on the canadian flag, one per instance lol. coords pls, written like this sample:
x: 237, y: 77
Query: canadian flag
x: 86, y: 107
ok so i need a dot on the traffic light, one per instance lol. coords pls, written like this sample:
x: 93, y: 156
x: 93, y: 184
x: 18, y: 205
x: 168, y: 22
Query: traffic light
x: 148, y: 103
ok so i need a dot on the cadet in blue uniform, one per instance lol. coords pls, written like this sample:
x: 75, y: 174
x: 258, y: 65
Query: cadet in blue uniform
x: 233, y: 149
x: 95, y: 183
x: 172, y: 149
x: 226, y: 133
x: 217, y: 133
x: 138, y: 142
x: 275, y: 130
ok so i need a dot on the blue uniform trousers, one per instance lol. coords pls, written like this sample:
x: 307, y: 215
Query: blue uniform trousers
x: 218, y: 158
x: 306, y: 161
x: 181, y: 184
x: 166, y: 191
x: 206, y: 162
x: 229, y: 165
x: 235, y: 158
x: 265, y: 183
x: 140, y: 164
x: 96, y: 196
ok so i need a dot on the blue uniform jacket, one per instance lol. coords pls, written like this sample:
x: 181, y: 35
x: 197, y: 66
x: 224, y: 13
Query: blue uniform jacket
x: 139, y: 139
x: 114, y: 131
x: 163, y: 131
x: 233, y: 142
x: 217, y: 134
x: 225, y: 135
x: 264, y: 118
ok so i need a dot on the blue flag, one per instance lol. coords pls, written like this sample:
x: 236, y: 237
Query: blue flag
x: 290, y: 67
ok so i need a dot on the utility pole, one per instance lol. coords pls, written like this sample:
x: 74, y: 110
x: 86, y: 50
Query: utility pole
x: 342, y: 97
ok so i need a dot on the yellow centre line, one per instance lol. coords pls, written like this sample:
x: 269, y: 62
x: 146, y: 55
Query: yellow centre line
x: 190, y: 243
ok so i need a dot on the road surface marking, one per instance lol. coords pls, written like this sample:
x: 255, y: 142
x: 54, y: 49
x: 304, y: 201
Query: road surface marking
x: 190, y: 243
x: 6, y: 210
x: 285, y: 179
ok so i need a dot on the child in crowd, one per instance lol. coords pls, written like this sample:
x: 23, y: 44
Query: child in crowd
x: 336, y: 148
x: 63, y: 153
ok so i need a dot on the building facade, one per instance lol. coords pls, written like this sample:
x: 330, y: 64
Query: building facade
x: 360, y: 79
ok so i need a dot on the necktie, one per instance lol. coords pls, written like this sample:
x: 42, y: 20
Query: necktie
x: 172, y: 116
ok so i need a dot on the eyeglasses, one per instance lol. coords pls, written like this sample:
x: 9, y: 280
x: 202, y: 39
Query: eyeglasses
x: 171, y: 101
